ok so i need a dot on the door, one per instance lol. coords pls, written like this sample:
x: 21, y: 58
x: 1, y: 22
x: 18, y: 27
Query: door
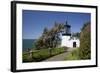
x: 74, y: 44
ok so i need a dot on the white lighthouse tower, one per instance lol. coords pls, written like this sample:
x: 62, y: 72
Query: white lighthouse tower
x: 67, y: 40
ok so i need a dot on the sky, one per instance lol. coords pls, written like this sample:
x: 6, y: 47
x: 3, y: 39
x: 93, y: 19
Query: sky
x: 33, y: 22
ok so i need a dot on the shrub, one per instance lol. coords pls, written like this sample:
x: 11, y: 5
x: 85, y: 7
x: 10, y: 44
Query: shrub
x: 85, y: 42
x: 65, y: 48
x: 74, y: 55
x: 42, y: 54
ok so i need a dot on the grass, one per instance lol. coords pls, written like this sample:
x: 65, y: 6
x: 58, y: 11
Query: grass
x: 40, y: 55
x: 74, y: 55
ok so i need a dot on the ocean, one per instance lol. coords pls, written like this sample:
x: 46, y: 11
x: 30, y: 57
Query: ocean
x: 28, y: 44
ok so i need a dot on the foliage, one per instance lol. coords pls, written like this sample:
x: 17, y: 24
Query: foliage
x: 77, y: 35
x: 74, y: 55
x: 50, y: 38
x: 65, y: 48
x: 85, y: 42
x: 42, y: 54
x: 85, y: 25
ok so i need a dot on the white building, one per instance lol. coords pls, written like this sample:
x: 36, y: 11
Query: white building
x: 67, y: 40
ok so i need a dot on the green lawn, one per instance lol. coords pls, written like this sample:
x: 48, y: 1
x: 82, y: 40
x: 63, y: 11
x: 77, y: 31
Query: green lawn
x: 42, y: 54
x: 74, y: 55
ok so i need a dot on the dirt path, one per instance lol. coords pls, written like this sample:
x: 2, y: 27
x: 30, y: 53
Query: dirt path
x: 59, y: 57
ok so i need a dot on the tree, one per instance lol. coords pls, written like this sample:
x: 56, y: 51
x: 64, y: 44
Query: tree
x: 45, y: 31
x: 45, y: 37
x: 50, y: 38
x: 85, y: 42
x: 77, y: 35
x: 39, y: 43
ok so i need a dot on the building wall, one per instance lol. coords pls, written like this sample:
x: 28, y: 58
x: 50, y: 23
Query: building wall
x: 66, y: 41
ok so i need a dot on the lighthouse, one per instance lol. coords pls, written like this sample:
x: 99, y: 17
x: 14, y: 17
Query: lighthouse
x: 67, y: 40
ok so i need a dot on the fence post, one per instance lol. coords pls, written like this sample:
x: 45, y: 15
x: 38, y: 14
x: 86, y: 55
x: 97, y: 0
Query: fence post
x: 50, y: 50
x: 30, y: 53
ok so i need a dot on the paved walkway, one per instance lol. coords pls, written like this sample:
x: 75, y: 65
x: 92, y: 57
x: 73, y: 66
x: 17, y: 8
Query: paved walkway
x: 59, y: 57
